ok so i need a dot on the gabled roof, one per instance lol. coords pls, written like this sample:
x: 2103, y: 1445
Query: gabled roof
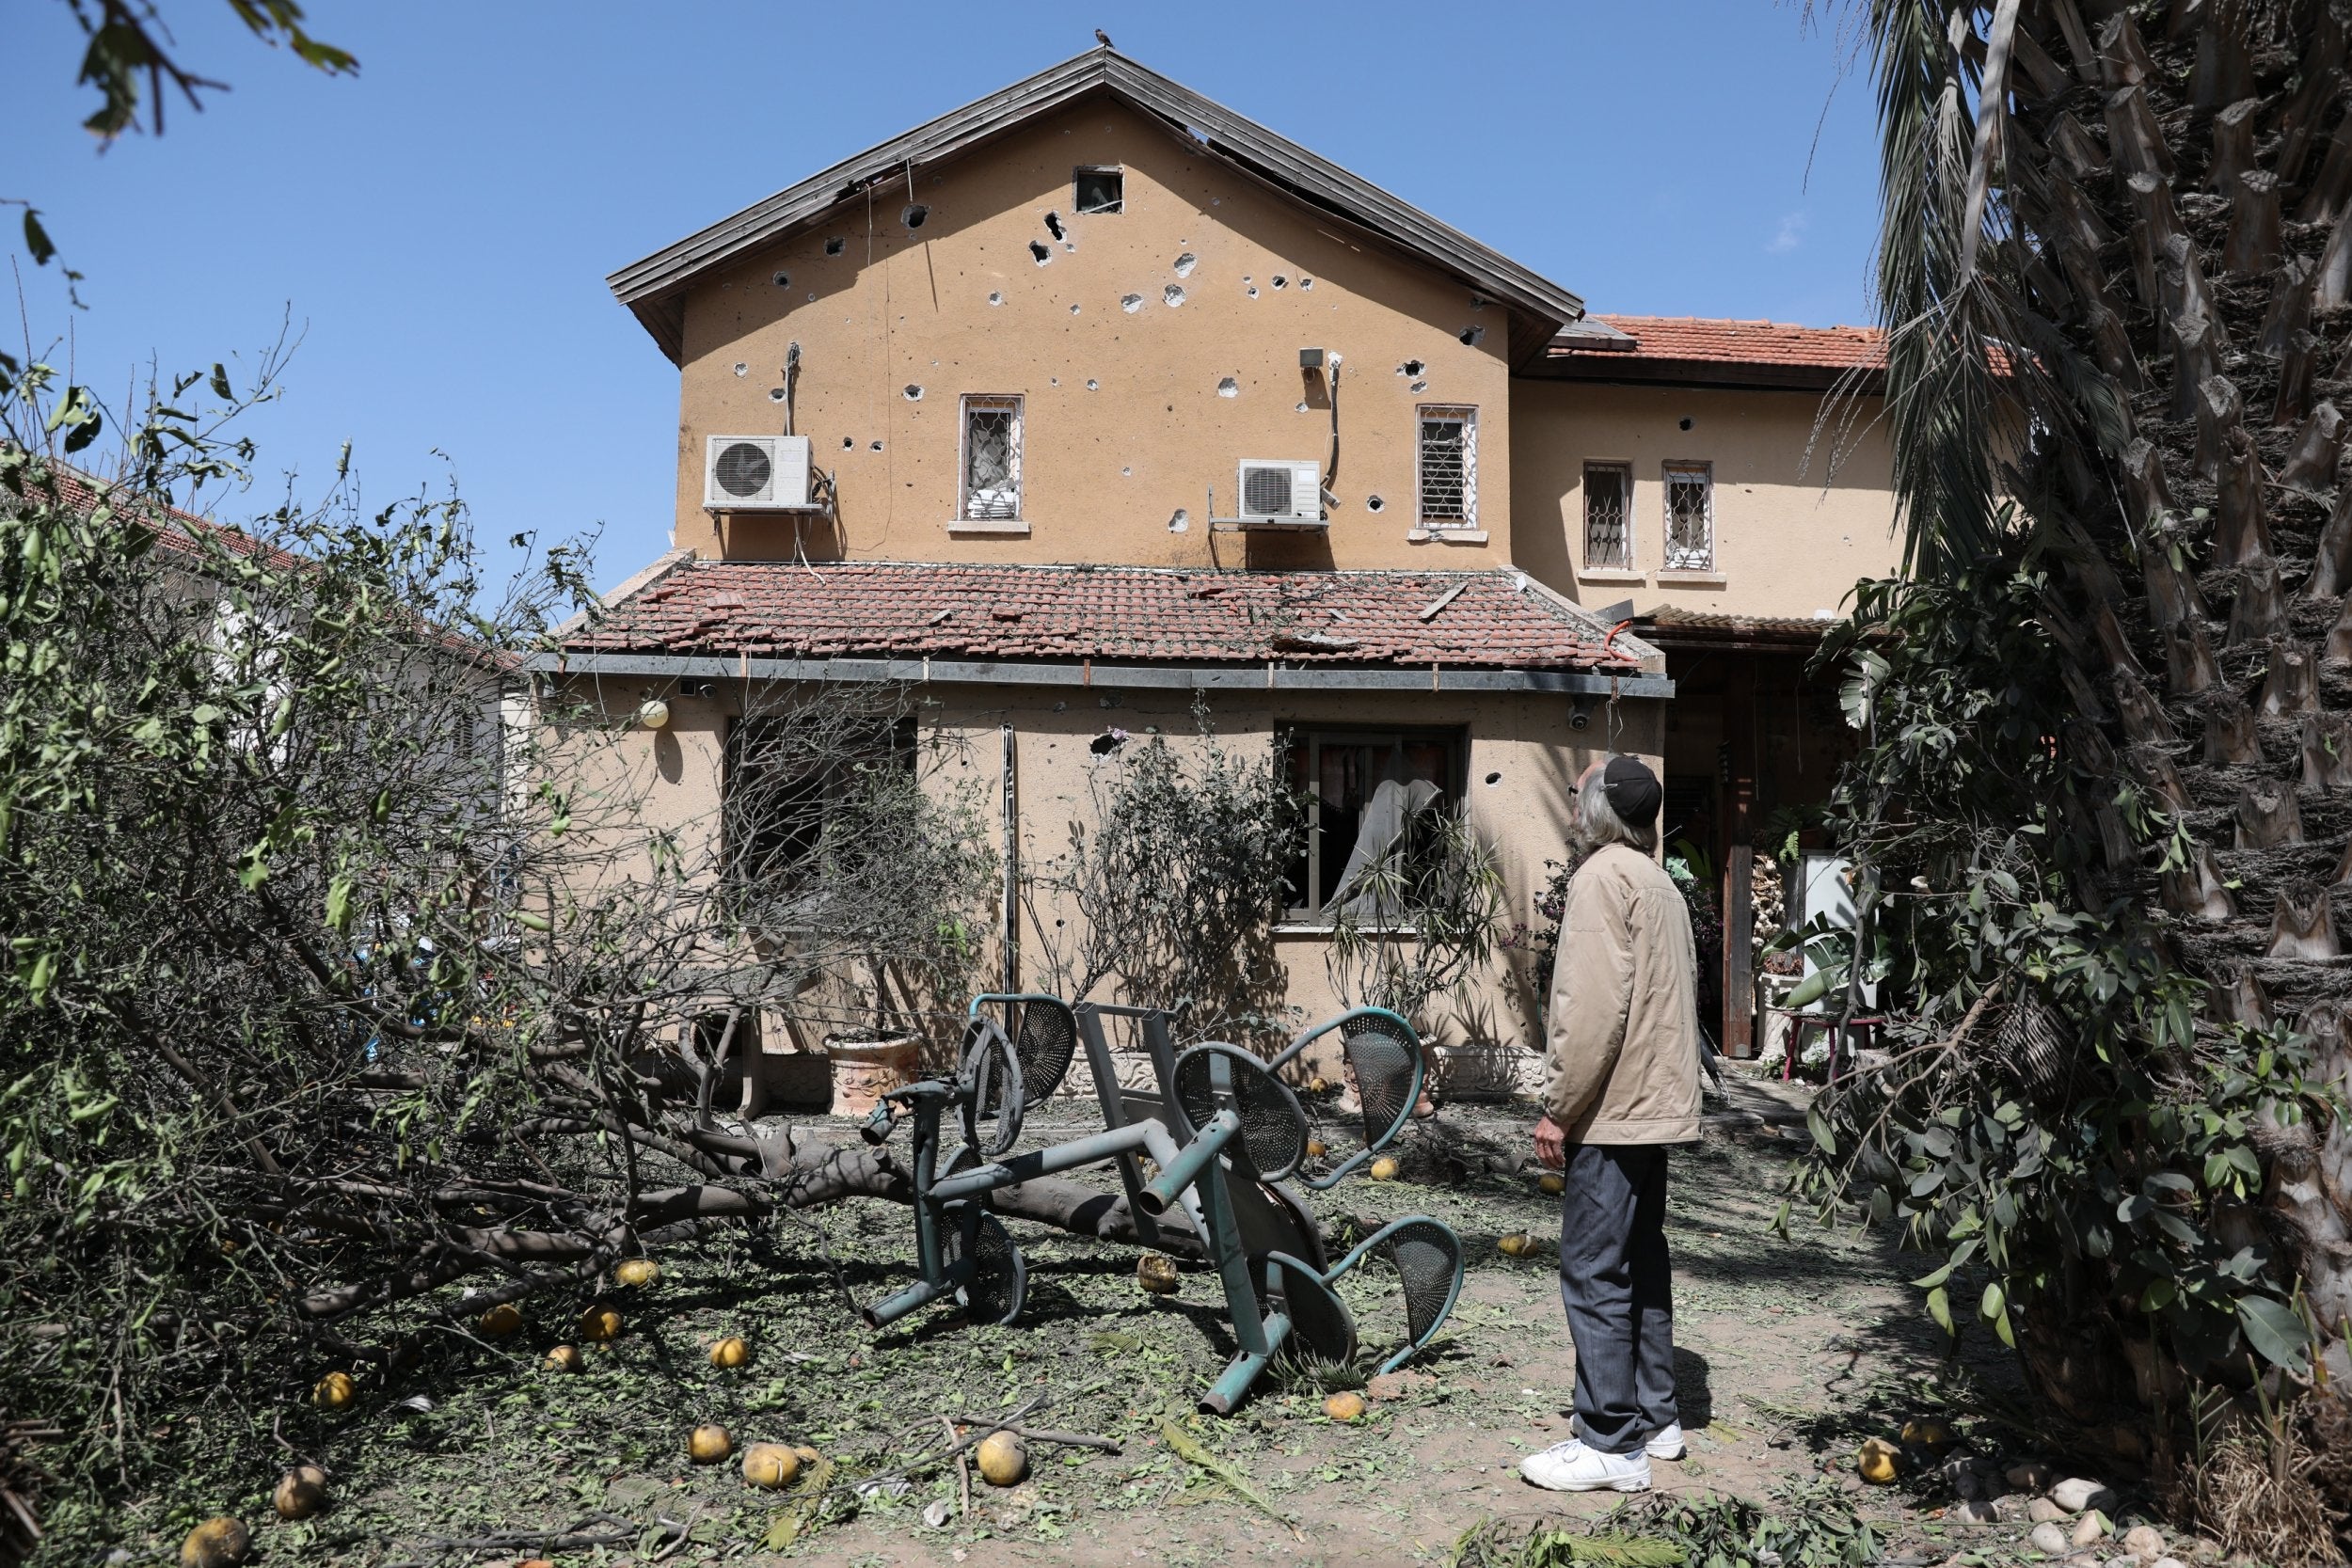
x: 1690, y: 350
x: 1492, y: 620
x: 652, y: 287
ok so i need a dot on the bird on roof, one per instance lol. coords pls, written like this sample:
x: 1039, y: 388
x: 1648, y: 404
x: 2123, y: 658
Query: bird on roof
x: 1102, y: 37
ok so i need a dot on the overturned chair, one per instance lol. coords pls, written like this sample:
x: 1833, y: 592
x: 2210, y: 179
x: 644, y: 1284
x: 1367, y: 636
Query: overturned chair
x: 1227, y: 1136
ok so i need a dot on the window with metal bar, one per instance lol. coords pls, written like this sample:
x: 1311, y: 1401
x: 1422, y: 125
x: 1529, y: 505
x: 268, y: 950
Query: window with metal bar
x: 992, y: 459
x: 1099, y: 189
x: 1690, y: 517
x: 1607, y: 516
x: 1449, y: 467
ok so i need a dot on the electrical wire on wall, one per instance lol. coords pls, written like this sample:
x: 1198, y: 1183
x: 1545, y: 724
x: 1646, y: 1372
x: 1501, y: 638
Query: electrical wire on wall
x: 1332, y: 469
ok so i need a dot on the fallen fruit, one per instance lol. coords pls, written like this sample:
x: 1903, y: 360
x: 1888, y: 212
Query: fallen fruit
x: 599, y: 1323
x: 1156, y: 1272
x: 1346, y: 1407
x: 1517, y: 1244
x: 565, y: 1358
x: 501, y: 1319
x: 1928, y: 1434
x: 634, y: 1271
x: 1004, y: 1458
x: 730, y: 1352
x: 221, y: 1542
x: 334, y: 1391
x: 1317, y: 1149
x: 301, y: 1492
x: 709, y: 1444
x: 806, y: 1454
x: 1876, y: 1461
x: 1318, y: 1086
x: 1551, y: 1183
x: 1383, y: 1169
x: 770, y: 1465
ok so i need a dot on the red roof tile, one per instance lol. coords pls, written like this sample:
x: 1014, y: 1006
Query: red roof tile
x: 1499, y: 619
x: 1735, y: 343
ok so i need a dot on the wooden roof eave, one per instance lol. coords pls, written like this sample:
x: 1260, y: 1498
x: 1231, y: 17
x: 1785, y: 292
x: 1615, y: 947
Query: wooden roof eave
x: 653, y: 287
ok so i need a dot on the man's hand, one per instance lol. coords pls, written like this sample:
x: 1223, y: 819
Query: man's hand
x: 1551, y: 1143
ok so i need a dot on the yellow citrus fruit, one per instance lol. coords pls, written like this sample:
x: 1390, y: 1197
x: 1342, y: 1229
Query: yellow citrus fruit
x: 730, y: 1352
x: 1156, y: 1272
x: 1383, y: 1169
x: 634, y: 1271
x: 1318, y: 1085
x: 221, y: 1542
x: 1346, y: 1407
x: 301, y: 1492
x: 1928, y: 1434
x: 1551, y: 1183
x: 599, y: 1323
x: 709, y: 1444
x: 1876, y: 1461
x: 501, y: 1319
x: 1317, y: 1149
x: 565, y: 1358
x: 770, y: 1465
x: 806, y: 1454
x: 1519, y: 1244
x: 334, y: 1391
x: 1004, y: 1458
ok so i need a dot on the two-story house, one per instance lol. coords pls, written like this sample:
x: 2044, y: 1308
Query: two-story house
x: 1093, y: 398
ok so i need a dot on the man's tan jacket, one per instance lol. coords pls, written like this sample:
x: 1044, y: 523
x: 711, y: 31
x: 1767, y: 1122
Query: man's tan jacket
x: 1623, y: 1041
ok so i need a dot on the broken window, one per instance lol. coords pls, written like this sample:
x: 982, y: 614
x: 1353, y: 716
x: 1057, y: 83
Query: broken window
x: 1363, y: 790
x: 1607, y: 516
x: 1449, y: 467
x: 1100, y: 190
x: 992, y: 459
x: 784, y: 782
x: 1689, y: 518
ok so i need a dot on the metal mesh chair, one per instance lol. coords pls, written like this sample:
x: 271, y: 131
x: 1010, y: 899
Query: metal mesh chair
x: 988, y: 1075
x: 1045, y: 1039
x: 1386, y: 1059
x: 999, y: 1282
x: 1273, y: 1128
x: 1428, y: 1259
x: 1320, y: 1324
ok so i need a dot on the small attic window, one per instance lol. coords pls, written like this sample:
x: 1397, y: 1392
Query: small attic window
x: 1100, y: 190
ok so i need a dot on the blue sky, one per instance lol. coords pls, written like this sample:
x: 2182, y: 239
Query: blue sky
x: 438, y: 229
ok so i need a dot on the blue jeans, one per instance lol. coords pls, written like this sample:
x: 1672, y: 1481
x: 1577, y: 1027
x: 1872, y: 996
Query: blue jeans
x: 1618, y: 1289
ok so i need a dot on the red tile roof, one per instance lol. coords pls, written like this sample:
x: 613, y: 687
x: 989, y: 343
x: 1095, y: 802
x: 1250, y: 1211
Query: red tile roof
x: 1496, y: 619
x: 1732, y: 342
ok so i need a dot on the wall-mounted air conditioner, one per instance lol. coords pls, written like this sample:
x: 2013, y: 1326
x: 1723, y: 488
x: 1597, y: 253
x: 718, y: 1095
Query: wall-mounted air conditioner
x: 756, y: 473
x: 1281, y: 493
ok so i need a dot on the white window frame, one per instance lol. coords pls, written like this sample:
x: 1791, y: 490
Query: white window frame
x: 1632, y: 532
x: 990, y: 402
x: 1669, y: 473
x: 1467, y: 413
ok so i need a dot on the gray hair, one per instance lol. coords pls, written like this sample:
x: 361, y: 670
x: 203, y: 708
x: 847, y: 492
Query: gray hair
x: 1598, y: 821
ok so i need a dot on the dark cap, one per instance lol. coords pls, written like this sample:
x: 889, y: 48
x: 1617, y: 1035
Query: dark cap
x: 1633, y: 791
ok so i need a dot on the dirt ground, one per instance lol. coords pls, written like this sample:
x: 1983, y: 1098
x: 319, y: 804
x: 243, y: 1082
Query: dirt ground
x: 1790, y: 1350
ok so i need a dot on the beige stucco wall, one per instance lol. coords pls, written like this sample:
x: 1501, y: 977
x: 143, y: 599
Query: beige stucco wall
x: 1124, y: 422
x: 1800, y: 515
x: 1524, y: 743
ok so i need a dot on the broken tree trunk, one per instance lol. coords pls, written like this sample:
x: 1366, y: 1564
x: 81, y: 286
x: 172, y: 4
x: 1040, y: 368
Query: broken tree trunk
x: 2303, y: 926
x: 2267, y: 816
x: 2232, y: 739
x: 2259, y: 611
x: 2291, y: 684
x: 2255, y: 226
x: 2311, y: 465
x: 2241, y: 529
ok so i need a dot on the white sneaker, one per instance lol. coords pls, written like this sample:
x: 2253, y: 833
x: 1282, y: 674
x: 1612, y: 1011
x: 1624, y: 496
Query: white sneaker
x: 1572, y: 1467
x: 1665, y: 1443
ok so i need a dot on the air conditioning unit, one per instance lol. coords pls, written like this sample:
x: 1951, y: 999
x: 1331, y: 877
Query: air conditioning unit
x: 1280, y: 491
x: 756, y: 473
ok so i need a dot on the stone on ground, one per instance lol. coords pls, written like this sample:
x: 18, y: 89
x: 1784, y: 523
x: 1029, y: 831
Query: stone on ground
x: 2091, y: 1528
x: 2075, y: 1494
x: 2049, y: 1540
x: 2042, y: 1511
x: 2144, y: 1542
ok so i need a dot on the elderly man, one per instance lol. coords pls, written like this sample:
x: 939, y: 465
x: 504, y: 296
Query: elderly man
x: 1621, y: 1084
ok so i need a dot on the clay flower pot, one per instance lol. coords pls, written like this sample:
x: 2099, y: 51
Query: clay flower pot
x: 864, y: 1070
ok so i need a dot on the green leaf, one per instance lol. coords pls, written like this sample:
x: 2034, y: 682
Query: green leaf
x: 220, y: 382
x: 2277, y: 1331
x: 1994, y: 1300
x: 1939, y: 1308
x: 1818, y: 1125
x: 37, y: 240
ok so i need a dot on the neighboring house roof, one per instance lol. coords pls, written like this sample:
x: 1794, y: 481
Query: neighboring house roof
x: 653, y: 287
x: 1691, y: 350
x: 1498, y: 620
x: 1674, y: 626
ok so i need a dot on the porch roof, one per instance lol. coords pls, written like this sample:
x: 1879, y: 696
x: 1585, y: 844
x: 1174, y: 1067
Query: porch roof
x: 1497, y: 619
